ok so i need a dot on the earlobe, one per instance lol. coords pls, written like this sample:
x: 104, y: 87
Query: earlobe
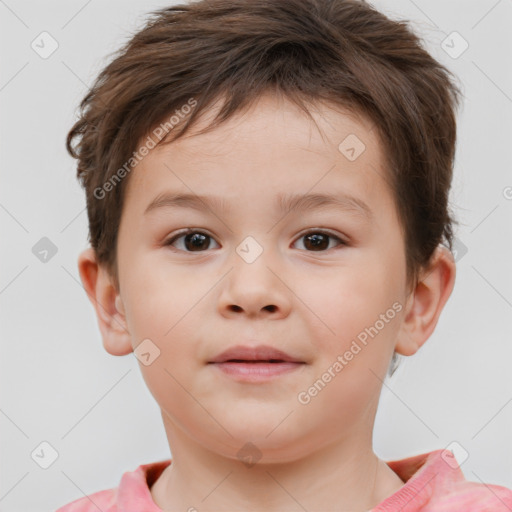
x: 426, y: 302
x: 105, y: 299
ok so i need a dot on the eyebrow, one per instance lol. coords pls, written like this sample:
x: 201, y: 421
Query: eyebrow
x: 285, y: 203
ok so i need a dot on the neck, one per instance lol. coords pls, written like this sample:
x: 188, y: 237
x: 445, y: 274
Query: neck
x: 345, y: 475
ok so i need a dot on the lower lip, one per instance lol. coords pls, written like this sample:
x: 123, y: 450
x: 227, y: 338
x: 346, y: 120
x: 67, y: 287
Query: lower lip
x: 257, y: 372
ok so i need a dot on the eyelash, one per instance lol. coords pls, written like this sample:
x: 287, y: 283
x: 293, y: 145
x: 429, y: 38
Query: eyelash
x: 189, y: 231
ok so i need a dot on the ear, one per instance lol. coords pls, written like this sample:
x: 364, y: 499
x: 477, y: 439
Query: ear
x: 426, y: 301
x: 107, y: 303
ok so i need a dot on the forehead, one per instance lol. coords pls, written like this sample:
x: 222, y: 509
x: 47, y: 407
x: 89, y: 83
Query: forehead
x: 329, y: 126
x: 271, y: 147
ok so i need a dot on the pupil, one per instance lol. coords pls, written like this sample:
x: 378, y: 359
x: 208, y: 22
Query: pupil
x: 317, y: 240
x: 196, y: 240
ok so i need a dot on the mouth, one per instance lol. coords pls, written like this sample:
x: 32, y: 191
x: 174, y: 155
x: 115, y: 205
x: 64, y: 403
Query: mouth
x: 250, y: 361
x: 261, y: 354
x: 255, y: 364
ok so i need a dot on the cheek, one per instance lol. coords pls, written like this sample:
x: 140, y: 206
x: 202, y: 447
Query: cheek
x: 163, y: 326
x: 357, y: 311
x: 155, y: 302
x: 165, y: 381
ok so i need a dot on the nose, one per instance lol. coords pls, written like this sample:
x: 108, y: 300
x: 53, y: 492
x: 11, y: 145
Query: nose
x: 256, y: 289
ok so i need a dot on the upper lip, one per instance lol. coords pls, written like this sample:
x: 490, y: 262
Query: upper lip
x: 258, y: 353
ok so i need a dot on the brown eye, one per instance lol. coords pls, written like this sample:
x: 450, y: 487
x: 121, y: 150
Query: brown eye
x: 318, y: 241
x: 193, y: 241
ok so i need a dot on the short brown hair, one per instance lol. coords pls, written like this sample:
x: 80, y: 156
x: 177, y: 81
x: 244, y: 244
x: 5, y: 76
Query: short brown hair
x: 343, y: 52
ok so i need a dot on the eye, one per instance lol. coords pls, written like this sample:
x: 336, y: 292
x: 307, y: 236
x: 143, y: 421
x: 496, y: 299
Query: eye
x: 194, y: 241
x: 318, y: 241
x: 198, y: 241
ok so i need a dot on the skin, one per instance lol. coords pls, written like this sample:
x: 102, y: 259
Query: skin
x: 193, y: 305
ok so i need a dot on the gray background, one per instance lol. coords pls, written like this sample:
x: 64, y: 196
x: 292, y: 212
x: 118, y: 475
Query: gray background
x: 59, y: 385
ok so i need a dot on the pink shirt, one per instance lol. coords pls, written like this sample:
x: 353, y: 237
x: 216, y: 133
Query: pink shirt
x: 433, y: 483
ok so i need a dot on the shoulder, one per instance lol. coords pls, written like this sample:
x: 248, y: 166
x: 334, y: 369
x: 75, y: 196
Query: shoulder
x: 101, y: 500
x: 436, y: 483
x: 473, y: 497
x: 133, y: 487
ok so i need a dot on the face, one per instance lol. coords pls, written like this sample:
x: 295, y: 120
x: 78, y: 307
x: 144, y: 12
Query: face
x: 323, y: 281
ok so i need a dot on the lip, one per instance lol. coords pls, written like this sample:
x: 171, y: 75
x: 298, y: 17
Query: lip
x: 261, y: 353
x: 261, y: 363
x: 254, y: 372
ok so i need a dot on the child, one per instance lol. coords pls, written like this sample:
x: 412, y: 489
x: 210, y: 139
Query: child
x: 308, y: 145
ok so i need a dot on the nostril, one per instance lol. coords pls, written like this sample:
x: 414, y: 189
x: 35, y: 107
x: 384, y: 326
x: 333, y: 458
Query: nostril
x: 270, y: 308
